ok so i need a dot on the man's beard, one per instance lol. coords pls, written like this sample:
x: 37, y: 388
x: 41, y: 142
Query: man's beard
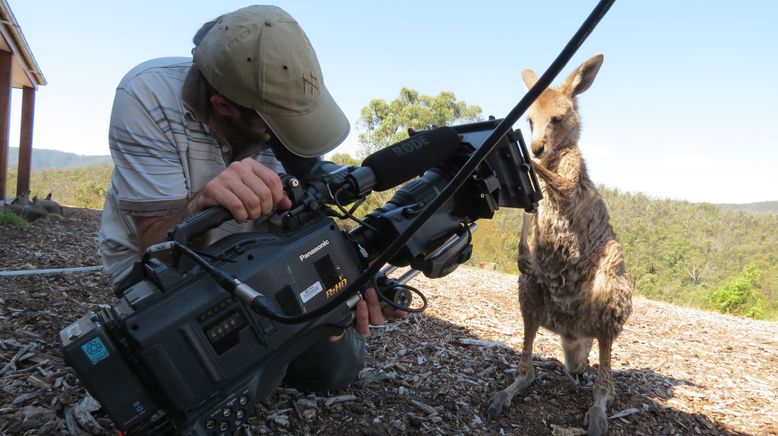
x: 246, y: 135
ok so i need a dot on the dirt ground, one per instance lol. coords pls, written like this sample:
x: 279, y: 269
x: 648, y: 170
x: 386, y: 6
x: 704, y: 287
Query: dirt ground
x: 676, y: 370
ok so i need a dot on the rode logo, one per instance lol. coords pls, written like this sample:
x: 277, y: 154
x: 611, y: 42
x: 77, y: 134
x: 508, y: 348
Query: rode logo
x: 410, y: 145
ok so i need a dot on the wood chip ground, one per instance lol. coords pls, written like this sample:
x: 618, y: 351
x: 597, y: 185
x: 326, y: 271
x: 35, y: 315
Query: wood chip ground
x: 677, y: 370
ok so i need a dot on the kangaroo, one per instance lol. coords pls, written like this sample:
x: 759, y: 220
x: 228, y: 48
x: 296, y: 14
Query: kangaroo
x: 50, y: 205
x: 573, y: 280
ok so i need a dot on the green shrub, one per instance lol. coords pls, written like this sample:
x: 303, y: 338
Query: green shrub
x: 739, y: 297
x: 75, y: 187
x: 12, y: 219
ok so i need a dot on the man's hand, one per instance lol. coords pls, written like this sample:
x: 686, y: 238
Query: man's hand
x: 369, y: 312
x: 247, y: 189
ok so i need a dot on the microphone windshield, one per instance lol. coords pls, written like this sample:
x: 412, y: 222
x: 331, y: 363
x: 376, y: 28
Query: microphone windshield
x: 407, y: 159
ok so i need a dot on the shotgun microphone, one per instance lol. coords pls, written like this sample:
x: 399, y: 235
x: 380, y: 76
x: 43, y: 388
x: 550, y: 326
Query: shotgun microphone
x: 407, y: 159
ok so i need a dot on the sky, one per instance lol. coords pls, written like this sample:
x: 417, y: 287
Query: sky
x: 684, y: 106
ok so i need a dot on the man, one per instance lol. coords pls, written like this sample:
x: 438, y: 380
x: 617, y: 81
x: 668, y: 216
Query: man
x: 187, y: 134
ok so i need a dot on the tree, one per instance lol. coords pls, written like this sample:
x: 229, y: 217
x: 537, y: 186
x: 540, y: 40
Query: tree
x: 739, y: 296
x: 386, y: 123
x: 344, y: 159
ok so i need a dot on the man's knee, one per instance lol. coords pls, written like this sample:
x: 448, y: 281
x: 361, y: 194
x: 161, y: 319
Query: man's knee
x: 328, y: 365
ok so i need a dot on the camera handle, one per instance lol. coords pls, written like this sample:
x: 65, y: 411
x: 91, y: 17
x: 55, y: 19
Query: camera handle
x: 198, y: 223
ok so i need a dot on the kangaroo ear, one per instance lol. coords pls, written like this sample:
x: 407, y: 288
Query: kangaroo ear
x: 581, y: 79
x: 530, y: 78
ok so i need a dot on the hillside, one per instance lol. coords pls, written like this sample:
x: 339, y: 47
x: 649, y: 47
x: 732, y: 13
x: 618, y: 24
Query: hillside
x: 675, y: 251
x: 44, y: 159
x: 677, y: 371
x: 759, y: 207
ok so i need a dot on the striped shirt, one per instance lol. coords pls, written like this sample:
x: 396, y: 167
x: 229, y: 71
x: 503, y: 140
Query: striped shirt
x: 163, y: 156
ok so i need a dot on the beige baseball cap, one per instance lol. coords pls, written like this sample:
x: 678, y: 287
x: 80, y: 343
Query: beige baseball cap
x: 260, y: 58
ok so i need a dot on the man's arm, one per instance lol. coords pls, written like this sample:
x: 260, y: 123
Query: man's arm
x: 153, y: 229
x: 246, y: 188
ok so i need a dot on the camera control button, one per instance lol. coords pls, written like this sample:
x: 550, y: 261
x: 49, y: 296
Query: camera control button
x: 239, y: 414
x: 267, y: 326
x: 413, y: 209
x: 210, y: 424
x: 243, y: 400
x: 227, y: 412
x: 224, y: 425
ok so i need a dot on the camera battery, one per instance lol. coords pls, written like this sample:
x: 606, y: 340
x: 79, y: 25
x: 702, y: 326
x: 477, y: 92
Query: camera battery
x: 91, y: 351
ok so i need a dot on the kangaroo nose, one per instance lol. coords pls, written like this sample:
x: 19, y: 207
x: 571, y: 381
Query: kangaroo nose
x: 537, y: 151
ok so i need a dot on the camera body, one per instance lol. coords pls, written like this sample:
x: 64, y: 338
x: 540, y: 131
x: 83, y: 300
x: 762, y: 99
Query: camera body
x: 177, y: 353
x: 179, y: 342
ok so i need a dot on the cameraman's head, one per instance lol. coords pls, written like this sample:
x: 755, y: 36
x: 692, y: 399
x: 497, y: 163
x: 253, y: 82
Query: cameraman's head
x: 258, y: 71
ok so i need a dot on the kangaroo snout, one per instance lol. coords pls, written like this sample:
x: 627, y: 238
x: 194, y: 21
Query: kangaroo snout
x: 537, y: 150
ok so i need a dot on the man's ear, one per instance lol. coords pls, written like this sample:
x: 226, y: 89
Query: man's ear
x: 222, y: 106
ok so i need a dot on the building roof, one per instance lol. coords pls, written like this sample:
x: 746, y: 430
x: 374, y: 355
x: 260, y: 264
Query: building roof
x: 25, y: 70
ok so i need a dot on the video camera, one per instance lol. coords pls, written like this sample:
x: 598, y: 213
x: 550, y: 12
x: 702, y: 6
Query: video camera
x: 193, y: 344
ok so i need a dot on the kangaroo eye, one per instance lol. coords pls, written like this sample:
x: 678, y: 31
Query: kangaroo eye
x: 556, y: 119
x: 530, y: 123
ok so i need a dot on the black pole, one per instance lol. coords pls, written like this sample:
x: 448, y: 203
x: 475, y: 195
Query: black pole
x: 472, y: 163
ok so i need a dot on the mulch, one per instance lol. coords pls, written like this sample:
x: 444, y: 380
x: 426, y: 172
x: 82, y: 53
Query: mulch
x: 676, y: 370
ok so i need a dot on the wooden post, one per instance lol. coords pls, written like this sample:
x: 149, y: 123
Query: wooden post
x: 25, y: 141
x: 5, y: 116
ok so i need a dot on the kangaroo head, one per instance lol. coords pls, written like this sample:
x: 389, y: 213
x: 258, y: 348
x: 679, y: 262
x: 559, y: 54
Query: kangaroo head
x: 22, y: 199
x: 553, y: 118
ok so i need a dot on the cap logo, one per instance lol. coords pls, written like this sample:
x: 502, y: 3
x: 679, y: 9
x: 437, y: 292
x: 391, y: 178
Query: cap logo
x: 310, y: 82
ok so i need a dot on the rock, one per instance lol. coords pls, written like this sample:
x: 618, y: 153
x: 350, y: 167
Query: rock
x: 279, y: 420
x: 413, y: 420
x: 429, y: 410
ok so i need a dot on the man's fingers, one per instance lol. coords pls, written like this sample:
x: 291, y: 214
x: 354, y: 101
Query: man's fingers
x: 362, y: 321
x: 375, y: 313
x: 221, y: 196
x: 271, y: 180
x: 285, y: 203
x: 257, y: 196
x: 248, y: 190
x: 392, y: 313
x: 338, y: 337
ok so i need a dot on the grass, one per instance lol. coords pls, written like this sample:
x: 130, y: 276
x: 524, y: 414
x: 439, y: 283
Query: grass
x: 12, y: 219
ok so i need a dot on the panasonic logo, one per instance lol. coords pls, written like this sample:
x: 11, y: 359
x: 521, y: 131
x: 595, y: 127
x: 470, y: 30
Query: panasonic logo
x: 315, y: 249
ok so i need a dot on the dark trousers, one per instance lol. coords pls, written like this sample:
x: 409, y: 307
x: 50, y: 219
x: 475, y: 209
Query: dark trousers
x: 328, y: 365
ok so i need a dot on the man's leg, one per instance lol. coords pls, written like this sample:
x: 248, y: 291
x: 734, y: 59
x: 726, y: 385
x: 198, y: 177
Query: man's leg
x: 328, y: 365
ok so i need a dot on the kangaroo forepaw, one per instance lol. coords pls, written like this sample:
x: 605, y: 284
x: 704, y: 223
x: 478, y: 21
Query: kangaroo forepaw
x: 499, y: 401
x: 597, y: 421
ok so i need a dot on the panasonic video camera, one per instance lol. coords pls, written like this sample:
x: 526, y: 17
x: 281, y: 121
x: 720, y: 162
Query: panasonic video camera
x: 197, y: 340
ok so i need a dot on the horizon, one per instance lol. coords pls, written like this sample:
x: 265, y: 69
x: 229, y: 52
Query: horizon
x: 12, y: 165
x: 676, y: 112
